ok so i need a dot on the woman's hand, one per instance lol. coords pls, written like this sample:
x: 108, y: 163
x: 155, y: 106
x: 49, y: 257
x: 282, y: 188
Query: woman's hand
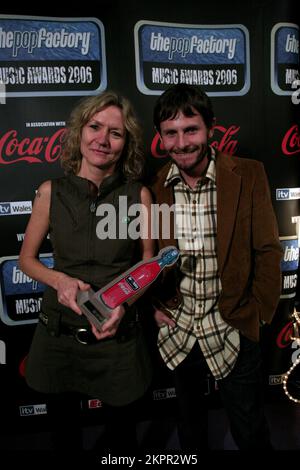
x: 110, y: 326
x: 67, y: 289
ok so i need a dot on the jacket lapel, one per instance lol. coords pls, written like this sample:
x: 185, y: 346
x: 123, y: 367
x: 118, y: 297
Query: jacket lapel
x: 228, y: 192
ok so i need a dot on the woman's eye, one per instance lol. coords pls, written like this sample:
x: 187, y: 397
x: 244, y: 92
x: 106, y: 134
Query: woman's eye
x: 116, y: 134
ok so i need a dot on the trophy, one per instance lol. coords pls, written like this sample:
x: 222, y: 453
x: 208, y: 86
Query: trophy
x: 126, y: 288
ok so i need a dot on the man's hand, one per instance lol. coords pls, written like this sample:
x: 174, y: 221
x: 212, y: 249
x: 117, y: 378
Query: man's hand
x: 162, y: 319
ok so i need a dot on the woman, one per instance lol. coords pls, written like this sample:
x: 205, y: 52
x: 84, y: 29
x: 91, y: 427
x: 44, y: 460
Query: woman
x: 102, y: 159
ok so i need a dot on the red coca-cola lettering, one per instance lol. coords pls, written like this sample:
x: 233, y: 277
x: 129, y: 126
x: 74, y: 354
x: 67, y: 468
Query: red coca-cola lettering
x: 157, y: 148
x: 22, y: 366
x: 284, y: 336
x: 291, y: 141
x: 53, y: 149
x: 226, y: 144
x: 13, y: 150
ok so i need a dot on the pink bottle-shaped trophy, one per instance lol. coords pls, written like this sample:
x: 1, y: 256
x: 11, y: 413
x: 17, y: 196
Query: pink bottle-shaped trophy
x: 128, y: 287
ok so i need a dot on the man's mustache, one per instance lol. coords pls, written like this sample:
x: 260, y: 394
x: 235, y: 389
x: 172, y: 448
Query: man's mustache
x: 186, y: 150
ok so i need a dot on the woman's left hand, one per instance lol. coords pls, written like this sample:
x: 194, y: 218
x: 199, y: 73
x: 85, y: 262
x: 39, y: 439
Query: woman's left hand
x: 110, y: 326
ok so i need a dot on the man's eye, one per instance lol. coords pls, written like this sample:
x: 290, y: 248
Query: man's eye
x: 170, y: 133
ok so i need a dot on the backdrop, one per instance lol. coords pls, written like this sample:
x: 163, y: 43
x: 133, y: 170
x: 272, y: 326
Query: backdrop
x: 247, y: 59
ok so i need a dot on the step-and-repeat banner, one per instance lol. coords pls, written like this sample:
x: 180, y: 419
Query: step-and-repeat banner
x: 245, y: 57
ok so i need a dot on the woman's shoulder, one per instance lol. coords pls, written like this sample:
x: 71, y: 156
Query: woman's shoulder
x: 139, y: 187
x: 145, y: 190
x: 45, y: 188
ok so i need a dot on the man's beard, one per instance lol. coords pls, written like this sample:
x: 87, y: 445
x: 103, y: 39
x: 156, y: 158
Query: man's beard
x: 185, y: 165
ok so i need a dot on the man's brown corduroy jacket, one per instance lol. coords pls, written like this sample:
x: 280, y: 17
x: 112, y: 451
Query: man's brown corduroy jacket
x: 248, y: 247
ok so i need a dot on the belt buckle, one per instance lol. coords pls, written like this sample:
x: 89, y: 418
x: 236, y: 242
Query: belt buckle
x: 77, y: 333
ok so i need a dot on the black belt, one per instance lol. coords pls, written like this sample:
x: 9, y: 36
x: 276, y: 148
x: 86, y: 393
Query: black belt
x: 85, y: 335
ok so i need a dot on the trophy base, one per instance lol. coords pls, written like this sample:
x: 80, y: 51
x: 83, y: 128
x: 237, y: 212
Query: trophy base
x: 92, y: 308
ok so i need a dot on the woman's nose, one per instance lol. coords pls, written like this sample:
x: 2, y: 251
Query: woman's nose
x: 102, y: 136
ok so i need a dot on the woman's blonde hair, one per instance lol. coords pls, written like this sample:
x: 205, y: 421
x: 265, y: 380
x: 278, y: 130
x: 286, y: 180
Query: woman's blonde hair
x: 132, y: 159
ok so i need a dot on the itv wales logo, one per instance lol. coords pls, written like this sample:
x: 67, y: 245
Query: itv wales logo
x: 287, y: 194
x: 33, y: 410
x: 15, y: 208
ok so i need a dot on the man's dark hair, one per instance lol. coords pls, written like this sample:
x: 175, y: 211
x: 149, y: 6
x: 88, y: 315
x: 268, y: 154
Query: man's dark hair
x: 184, y: 98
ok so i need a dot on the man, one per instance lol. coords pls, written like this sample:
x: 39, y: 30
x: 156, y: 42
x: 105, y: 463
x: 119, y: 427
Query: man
x: 210, y: 310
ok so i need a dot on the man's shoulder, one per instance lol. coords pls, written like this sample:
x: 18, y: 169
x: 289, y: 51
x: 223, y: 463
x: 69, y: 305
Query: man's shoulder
x: 161, y: 174
x: 238, y: 162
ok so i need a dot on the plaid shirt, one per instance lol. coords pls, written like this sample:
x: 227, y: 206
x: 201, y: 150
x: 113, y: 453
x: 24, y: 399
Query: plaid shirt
x: 198, y: 317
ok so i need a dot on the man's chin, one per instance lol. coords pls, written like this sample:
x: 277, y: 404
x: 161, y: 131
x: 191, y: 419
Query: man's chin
x: 185, y: 163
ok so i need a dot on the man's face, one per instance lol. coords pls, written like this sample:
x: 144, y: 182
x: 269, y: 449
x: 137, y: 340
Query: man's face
x: 185, y: 139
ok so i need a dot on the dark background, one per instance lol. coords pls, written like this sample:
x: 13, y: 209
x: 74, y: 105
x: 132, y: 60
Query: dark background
x: 263, y: 119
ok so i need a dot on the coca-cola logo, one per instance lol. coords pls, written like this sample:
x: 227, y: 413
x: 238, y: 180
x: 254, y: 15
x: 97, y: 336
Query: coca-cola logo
x: 291, y: 141
x: 226, y: 143
x: 157, y: 148
x: 22, y: 366
x: 32, y: 150
x: 284, y: 336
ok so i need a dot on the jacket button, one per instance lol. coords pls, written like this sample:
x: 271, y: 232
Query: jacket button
x: 175, y: 299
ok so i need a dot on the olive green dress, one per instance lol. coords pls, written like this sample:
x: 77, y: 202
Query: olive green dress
x: 117, y: 371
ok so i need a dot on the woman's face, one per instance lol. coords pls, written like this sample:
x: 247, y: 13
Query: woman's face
x: 103, y: 139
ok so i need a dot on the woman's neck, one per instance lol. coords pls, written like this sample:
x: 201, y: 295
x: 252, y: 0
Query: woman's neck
x: 94, y: 174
